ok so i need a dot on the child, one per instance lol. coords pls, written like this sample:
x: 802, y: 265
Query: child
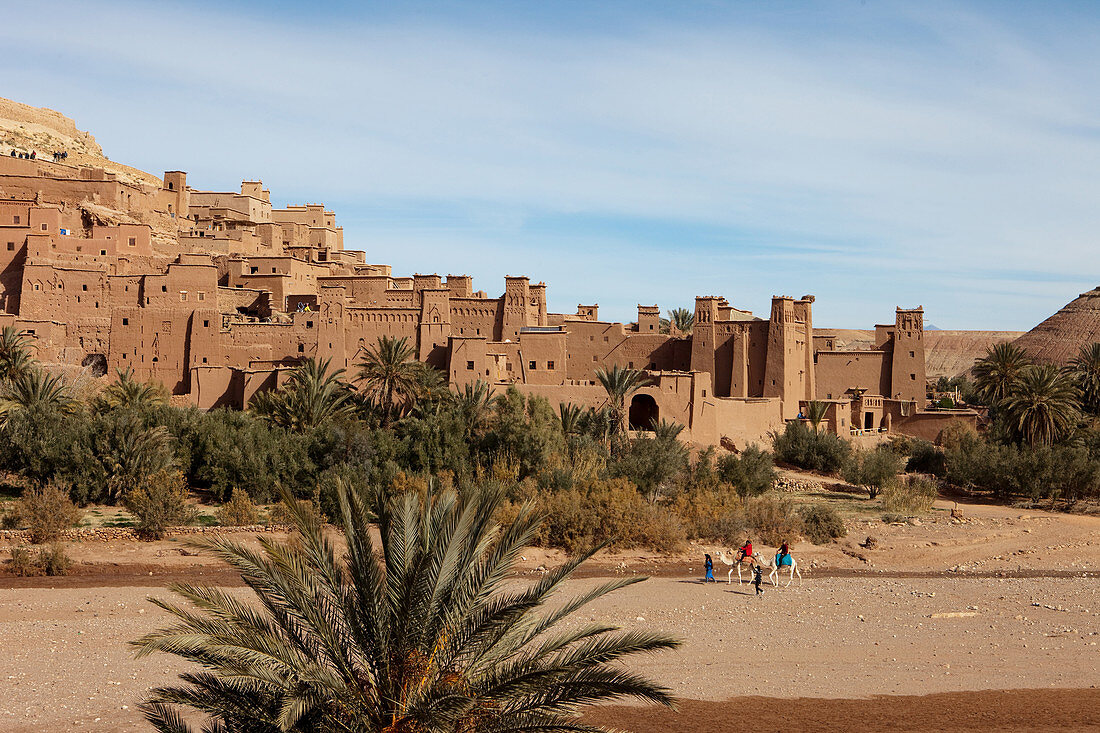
x: 709, y: 565
x: 757, y: 576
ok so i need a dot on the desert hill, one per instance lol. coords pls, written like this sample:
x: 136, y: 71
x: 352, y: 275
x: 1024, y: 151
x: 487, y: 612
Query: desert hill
x: 1058, y: 339
x: 46, y: 131
x: 946, y: 353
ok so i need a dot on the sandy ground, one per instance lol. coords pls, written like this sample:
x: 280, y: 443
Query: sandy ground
x: 1007, y: 600
x: 66, y: 663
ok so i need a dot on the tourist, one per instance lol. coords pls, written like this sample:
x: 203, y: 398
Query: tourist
x: 784, y: 551
x: 745, y: 551
x: 757, y: 577
x: 709, y: 565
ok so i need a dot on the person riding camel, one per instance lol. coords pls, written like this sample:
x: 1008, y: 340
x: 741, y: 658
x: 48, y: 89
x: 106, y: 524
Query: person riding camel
x: 783, y: 552
x: 745, y: 551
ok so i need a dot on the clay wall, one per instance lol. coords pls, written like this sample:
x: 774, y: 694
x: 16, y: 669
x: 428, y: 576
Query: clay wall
x: 839, y: 371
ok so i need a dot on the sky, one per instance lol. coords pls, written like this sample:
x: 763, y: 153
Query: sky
x: 873, y: 154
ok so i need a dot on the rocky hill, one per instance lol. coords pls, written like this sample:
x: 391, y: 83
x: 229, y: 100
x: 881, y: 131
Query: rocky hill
x: 946, y: 353
x: 45, y: 131
x: 1058, y: 339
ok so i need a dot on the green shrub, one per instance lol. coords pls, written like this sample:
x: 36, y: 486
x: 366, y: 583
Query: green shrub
x: 159, y: 503
x: 716, y: 514
x: 752, y: 473
x: 50, y: 560
x: 53, y: 560
x: 652, y: 464
x: 911, y: 496
x: 773, y: 520
x: 23, y: 562
x: 821, y: 524
x: 239, y: 511
x: 873, y: 469
x: 925, y: 457
x: 46, y: 512
x: 802, y: 446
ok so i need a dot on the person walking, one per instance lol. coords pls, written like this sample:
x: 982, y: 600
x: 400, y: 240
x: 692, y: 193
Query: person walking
x: 757, y: 577
x: 709, y: 565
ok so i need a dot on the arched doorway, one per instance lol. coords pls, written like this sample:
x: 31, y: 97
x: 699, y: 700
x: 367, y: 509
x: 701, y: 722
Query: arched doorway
x: 643, y: 412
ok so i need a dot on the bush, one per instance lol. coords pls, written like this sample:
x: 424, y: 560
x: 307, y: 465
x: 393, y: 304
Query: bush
x: 821, y: 524
x: 607, y: 510
x: 159, y: 503
x: 50, y: 560
x: 802, y: 446
x: 873, y: 469
x: 652, y: 464
x: 716, y: 514
x: 239, y: 511
x: 925, y: 457
x: 46, y: 512
x: 773, y: 520
x: 751, y: 474
x: 23, y: 562
x: 917, y: 494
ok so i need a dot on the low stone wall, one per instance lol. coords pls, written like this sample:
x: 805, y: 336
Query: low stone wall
x: 99, y: 534
x: 789, y: 485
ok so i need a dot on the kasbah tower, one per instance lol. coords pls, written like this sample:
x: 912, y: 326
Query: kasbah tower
x: 219, y: 295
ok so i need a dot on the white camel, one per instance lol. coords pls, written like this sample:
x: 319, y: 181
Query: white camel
x: 734, y: 563
x: 774, y: 574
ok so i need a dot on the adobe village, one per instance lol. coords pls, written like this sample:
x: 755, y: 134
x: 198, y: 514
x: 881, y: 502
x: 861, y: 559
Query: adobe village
x: 178, y: 363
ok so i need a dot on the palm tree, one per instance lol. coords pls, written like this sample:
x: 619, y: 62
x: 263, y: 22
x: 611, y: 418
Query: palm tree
x: 35, y: 388
x: 996, y: 374
x: 131, y: 452
x: 388, y: 372
x: 681, y: 318
x: 424, y: 634
x: 474, y: 403
x: 665, y: 430
x: 816, y: 412
x: 1043, y: 406
x: 127, y: 392
x: 571, y: 418
x: 15, y: 353
x: 1085, y: 368
x: 620, y: 384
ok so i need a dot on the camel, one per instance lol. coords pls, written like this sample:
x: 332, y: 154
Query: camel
x: 733, y: 562
x: 774, y: 574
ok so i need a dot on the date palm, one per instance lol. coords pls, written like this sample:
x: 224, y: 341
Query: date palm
x: 1043, y: 405
x: 475, y: 403
x: 997, y: 373
x: 15, y: 353
x: 426, y: 633
x: 127, y: 392
x: 389, y: 373
x: 620, y: 384
x: 1085, y: 368
x: 571, y: 418
x: 816, y: 412
x: 35, y: 388
x: 312, y: 396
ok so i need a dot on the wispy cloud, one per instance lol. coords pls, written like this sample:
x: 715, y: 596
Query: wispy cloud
x: 874, y: 154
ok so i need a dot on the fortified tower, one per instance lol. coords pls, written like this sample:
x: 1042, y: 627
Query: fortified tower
x: 703, y: 335
x: 907, y: 365
x: 517, y: 291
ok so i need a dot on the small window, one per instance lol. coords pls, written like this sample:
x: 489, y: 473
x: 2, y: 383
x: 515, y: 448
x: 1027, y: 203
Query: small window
x: 204, y: 360
x: 630, y: 365
x: 84, y: 288
x: 594, y: 357
x: 202, y: 295
x: 550, y: 365
x: 15, y: 219
x: 103, y: 251
x: 43, y: 227
x: 532, y: 365
x: 36, y: 286
x: 183, y: 295
x: 605, y: 339
x: 912, y: 354
x: 206, y: 324
x: 11, y: 246
x: 301, y: 348
x: 253, y: 270
x: 125, y: 321
x: 132, y: 242
x: 272, y: 269
x: 30, y: 331
x: 469, y: 366
x: 309, y: 324
x: 164, y: 288
x: 913, y: 377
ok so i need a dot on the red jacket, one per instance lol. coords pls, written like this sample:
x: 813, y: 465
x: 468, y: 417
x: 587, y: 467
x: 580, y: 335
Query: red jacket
x: 746, y: 551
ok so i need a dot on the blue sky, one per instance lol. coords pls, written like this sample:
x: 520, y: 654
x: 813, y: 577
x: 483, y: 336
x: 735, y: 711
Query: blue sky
x: 872, y: 153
